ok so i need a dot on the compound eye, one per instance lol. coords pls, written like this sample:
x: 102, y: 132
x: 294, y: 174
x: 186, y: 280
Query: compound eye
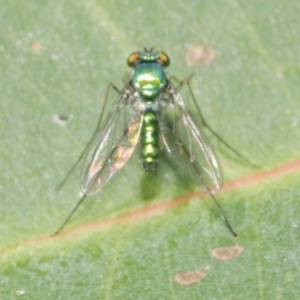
x: 132, y: 58
x: 164, y: 58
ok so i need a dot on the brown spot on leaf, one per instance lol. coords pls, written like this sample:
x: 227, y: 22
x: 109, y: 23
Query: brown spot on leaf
x: 227, y: 253
x: 199, y: 54
x: 36, y: 47
x: 187, y: 278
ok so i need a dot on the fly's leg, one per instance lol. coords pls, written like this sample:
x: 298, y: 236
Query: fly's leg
x: 86, y: 193
x: 79, y: 202
x: 80, y: 158
x: 179, y: 142
x: 69, y: 216
x: 89, y: 143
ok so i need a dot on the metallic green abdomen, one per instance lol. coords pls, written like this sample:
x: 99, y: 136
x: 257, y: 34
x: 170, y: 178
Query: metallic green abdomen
x: 150, y: 140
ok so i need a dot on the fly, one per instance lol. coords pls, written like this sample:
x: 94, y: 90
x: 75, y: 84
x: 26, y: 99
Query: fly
x: 149, y: 112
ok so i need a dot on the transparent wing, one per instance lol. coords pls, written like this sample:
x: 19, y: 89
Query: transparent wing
x: 184, y: 139
x: 113, y: 144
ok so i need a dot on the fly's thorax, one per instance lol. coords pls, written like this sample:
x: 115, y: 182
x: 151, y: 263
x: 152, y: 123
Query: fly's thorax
x: 149, y: 79
x: 150, y: 140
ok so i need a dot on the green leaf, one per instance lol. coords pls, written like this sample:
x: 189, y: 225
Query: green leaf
x: 132, y: 239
